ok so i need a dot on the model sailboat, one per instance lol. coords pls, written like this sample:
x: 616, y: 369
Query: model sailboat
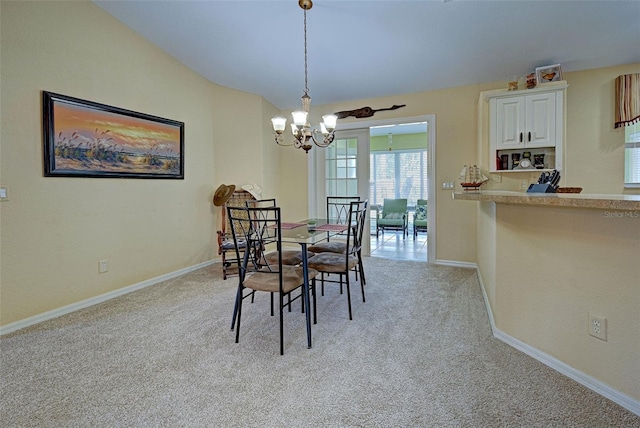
x: 471, y: 177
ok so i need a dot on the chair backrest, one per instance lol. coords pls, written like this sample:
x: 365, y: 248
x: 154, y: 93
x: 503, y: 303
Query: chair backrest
x: 338, y: 208
x: 261, y: 203
x: 357, y: 217
x: 237, y: 199
x: 394, y: 206
x: 259, y: 228
x: 420, y: 213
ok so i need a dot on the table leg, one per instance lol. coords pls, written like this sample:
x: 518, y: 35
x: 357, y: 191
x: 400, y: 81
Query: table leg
x: 305, y: 292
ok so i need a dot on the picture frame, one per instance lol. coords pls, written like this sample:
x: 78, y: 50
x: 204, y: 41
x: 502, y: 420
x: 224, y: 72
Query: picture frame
x: 549, y: 73
x: 87, y: 139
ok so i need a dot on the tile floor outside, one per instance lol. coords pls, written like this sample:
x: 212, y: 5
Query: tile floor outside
x: 390, y: 245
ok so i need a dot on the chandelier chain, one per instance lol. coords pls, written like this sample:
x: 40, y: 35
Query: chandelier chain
x: 306, y: 85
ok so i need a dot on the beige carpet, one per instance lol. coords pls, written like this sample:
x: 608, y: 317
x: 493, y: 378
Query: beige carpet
x: 418, y: 353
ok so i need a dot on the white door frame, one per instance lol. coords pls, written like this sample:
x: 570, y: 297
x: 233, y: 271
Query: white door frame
x: 431, y: 170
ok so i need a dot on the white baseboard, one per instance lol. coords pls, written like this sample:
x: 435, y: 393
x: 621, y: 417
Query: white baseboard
x: 456, y: 264
x: 10, y: 328
x: 582, y: 378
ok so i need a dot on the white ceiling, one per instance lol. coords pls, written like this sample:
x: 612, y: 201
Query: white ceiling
x: 368, y: 49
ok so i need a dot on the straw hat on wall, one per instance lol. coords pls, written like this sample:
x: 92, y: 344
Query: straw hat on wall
x: 223, y: 193
x: 254, y: 189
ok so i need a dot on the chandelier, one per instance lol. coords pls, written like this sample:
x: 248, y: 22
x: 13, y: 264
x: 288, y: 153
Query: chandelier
x: 303, y: 133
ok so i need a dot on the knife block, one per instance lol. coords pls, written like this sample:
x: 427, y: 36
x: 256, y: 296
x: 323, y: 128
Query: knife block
x: 541, y: 188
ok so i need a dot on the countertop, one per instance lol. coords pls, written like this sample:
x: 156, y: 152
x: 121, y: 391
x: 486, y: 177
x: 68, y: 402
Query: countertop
x: 575, y: 200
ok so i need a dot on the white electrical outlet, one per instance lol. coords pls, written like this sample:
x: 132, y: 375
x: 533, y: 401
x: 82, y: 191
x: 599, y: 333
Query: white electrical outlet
x: 103, y: 266
x: 598, y: 326
x: 524, y: 184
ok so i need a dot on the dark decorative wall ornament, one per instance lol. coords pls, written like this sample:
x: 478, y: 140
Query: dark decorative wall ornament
x: 364, y: 112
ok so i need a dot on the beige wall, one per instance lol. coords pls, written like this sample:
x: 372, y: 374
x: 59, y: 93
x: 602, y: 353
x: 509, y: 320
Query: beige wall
x: 54, y: 230
x: 292, y: 188
x: 595, y: 149
x: 556, y: 265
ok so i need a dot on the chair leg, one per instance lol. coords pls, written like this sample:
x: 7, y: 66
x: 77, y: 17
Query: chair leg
x: 348, y: 294
x: 301, y: 301
x: 239, y: 315
x: 361, y: 269
x: 235, y: 308
x: 362, y: 282
x: 224, y: 267
x: 272, y: 312
x: 281, y: 325
x: 313, y: 290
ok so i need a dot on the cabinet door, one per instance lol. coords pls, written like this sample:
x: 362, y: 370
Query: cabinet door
x: 540, y: 128
x: 510, y: 123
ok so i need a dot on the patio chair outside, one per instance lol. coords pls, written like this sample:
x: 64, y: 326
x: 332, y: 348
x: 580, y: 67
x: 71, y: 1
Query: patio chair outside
x: 420, y: 217
x: 394, y: 216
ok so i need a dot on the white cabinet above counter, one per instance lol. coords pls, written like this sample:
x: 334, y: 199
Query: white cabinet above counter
x: 526, y: 128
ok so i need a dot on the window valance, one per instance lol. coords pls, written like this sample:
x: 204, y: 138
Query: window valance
x: 627, y: 99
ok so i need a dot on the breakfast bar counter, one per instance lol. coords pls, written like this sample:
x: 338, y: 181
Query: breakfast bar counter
x: 575, y: 200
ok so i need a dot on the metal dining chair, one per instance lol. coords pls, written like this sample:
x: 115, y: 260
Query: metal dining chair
x: 261, y: 228
x: 338, y: 213
x: 289, y: 257
x: 343, y: 263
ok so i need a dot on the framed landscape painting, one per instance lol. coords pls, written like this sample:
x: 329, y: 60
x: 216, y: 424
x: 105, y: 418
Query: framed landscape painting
x: 88, y: 139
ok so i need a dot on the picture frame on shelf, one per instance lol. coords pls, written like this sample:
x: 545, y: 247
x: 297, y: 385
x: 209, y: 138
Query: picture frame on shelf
x: 87, y: 139
x: 548, y: 73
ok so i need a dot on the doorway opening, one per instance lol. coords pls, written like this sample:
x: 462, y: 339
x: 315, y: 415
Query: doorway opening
x: 399, y: 169
x: 384, y: 167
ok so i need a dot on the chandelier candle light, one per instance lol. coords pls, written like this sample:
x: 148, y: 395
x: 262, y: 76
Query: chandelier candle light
x: 302, y: 132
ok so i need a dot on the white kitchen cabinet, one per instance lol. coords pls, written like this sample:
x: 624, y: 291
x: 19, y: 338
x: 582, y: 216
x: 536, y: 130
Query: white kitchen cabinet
x: 526, y: 123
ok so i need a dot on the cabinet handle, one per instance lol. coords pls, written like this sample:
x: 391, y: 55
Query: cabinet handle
x: 521, y: 137
x: 529, y: 136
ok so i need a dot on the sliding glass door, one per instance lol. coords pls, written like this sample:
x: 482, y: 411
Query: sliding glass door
x: 399, y: 174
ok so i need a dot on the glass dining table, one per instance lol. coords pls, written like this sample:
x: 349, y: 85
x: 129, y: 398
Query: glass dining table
x: 304, y: 233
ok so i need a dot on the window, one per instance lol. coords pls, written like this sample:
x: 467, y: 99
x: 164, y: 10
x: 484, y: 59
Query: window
x: 398, y: 174
x: 632, y: 155
x: 341, y: 167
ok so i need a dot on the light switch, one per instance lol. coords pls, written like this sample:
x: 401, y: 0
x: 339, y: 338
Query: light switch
x: 3, y: 194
